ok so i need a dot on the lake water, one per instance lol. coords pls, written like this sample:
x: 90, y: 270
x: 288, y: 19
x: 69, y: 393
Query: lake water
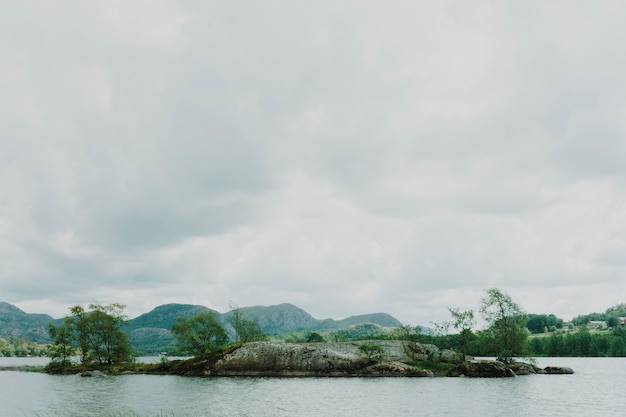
x: 595, y: 390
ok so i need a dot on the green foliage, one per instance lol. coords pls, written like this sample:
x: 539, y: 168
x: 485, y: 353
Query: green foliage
x: 612, y: 321
x: 541, y: 323
x: 200, y: 335
x: 506, y: 335
x: 580, y: 343
x: 99, y: 335
x: 582, y: 320
x: 246, y: 330
x: 315, y: 337
x: 364, y: 331
x: 13, y: 346
x: 463, y: 322
x: 61, y: 349
x: 373, y: 353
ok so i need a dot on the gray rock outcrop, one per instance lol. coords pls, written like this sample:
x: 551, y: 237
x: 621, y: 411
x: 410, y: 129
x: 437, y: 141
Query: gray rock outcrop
x: 558, y: 370
x: 323, y: 359
x: 483, y: 369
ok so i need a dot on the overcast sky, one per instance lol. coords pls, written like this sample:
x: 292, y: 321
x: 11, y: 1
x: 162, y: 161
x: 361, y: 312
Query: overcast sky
x: 347, y: 157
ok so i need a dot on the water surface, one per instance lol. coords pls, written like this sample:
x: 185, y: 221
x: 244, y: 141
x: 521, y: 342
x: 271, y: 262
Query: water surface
x: 594, y: 390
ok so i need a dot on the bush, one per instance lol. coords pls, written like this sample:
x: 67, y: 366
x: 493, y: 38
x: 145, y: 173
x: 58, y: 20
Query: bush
x: 373, y: 353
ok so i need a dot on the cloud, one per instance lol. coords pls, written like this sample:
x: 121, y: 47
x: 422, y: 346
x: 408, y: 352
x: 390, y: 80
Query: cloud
x: 346, y: 158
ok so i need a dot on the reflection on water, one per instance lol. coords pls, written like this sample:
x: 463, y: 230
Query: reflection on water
x: 594, y: 390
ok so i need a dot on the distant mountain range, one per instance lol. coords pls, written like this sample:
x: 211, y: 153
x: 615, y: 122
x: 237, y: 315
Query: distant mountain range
x: 150, y: 332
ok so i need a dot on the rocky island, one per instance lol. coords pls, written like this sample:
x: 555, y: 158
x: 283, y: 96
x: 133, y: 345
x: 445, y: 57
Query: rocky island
x: 373, y: 358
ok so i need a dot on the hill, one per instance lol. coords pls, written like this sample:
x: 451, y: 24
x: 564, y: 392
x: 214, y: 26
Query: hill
x: 17, y: 323
x: 150, y: 332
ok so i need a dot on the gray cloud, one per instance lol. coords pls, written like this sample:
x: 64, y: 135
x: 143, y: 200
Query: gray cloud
x: 344, y: 157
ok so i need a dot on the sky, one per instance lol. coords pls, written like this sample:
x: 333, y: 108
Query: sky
x: 348, y: 157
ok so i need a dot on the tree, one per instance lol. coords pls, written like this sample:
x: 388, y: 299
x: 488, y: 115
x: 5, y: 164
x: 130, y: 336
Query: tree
x: 315, y: 337
x: 199, y: 335
x: 463, y: 322
x: 61, y: 349
x: 540, y: 323
x: 612, y: 321
x: 99, y: 335
x: 506, y: 333
x: 246, y: 330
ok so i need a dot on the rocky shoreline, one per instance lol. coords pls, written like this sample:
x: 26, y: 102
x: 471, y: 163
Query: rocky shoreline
x: 347, y: 359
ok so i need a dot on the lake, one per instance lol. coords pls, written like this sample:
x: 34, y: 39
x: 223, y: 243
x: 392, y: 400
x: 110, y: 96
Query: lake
x: 596, y: 389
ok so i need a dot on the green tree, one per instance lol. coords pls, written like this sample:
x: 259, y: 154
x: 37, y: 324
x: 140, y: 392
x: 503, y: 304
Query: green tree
x: 61, y: 349
x: 463, y: 322
x: 540, y: 323
x: 200, y: 335
x: 506, y: 333
x: 612, y: 321
x: 99, y: 335
x: 315, y: 337
x: 246, y: 330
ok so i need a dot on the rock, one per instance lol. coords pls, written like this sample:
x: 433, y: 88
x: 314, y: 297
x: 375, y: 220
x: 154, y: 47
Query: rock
x: 390, y: 368
x: 89, y: 374
x: 522, y: 368
x: 282, y: 359
x: 449, y: 356
x: 424, y: 373
x: 420, y: 352
x: 321, y: 359
x: 557, y: 370
x: 483, y: 369
x: 395, y: 368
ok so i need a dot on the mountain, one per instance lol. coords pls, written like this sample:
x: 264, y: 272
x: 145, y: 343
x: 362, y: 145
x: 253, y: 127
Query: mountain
x: 164, y: 316
x: 150, y: 332
x: 17, y: 323
x: 382, y: 319
x: 281, y: 318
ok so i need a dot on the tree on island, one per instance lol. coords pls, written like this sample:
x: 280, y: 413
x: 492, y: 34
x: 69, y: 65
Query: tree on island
x: 506, y: 335
x: 98, y: 334
x: 200, y: 335
x: 61, y: 350
x: 246, y: 330
x: 463, y: 322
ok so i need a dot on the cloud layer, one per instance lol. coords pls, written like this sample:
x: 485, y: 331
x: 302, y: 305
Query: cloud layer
x: 347, y: 157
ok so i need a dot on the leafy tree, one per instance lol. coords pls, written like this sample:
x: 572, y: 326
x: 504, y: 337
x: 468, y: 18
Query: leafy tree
x: 246, y: 330
x: 612, y: 321
x: 99, y: 335
x: 506, y: 334
x: 463, y: 322
x: 14, y: 346
x: 540, y: 323
x: 315, y: 337
x: 61, y: 349
x: 584, y: 319
x: 200, y: 335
